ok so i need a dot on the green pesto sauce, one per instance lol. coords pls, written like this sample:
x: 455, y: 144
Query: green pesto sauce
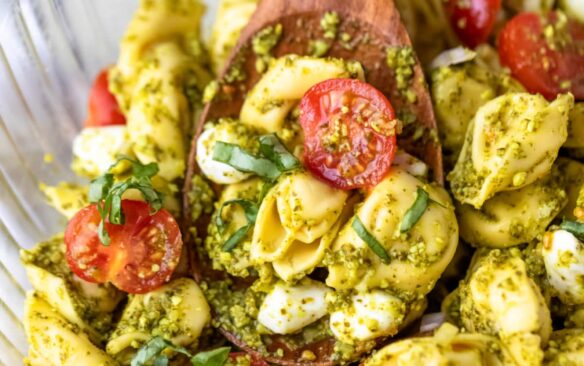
x: 50, y: 256
x: 200, y: 197
x: 402, y: 61
x: 161, y: 315
x: 263, y: 43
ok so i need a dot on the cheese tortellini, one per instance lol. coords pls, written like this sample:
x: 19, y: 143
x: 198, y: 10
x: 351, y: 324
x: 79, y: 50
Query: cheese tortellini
x: 85, y: 305
x: 566, y: 348
x: 512, y: 141
x: 448, y: 346
x: 513, y: 217
x: 418, y: 257
x: 176, y: 311
x: 160, y: 58
x: 232, y: 17
x: 499, y: 298
x: 288, y: 78
x: 54, y: 341
x: 458, y: 92
x: 296, y: 223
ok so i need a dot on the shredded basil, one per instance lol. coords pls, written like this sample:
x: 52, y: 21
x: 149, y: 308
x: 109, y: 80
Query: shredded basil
x: 274, y: 159
x: 573, y: 227
x: 251, y: 212
x: 153, y: 349
x: 273, y: 149
x: 414, y: 213
x: 108, y: 195
x: 242, y: 160
x: 370, y: 240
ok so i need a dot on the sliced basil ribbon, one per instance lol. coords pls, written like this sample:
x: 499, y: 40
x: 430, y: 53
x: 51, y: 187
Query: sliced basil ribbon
x: 250, y: 210
x: 370, y: 240
x: 153, y: 349
x: 272, y: 148
x: 233, y: 155
x: 415, y: 212
x: 274, y: 161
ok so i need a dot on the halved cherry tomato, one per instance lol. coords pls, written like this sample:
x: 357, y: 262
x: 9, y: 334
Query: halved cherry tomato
x: 546, y: 65
x: 255, y: 361
x: 473, y: 20
x: 103, y: 106
x: 142, y: 254
x: 349, y: 133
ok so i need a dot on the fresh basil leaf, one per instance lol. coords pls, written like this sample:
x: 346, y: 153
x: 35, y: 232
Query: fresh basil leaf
x: 102, y: 233
x: 99, y: 187
x: 161, y: 360
x: 273, y: 149
x: 116, y: 215
x: 415, y: 212
x: 235, y: 238
x: 146, y: 171
x: 154, y: 198
x: 573, y: 227
x: 370, y: 240
x: 150, y: 350
x: 216, y: 357
x: 250, y: 210
x: 242, y: 160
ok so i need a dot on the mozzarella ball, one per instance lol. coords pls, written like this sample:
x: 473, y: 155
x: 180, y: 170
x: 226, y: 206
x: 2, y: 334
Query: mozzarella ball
x: 287, y: 309
x: 563, y: 256
x: 369, y: 316
x: 95, y: 149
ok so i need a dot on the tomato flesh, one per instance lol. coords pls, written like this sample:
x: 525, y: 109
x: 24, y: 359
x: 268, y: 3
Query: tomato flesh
x: 142, y: 254
x: 544, y: 65
x: 103, y: 107
x: 473, y: 20
x: 349, y: 133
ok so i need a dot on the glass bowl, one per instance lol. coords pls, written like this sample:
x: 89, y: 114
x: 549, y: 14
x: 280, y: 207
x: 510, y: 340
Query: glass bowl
x: 50, y: 50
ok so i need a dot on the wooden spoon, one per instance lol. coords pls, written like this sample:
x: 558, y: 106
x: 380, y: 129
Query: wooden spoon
x: 373, y: 26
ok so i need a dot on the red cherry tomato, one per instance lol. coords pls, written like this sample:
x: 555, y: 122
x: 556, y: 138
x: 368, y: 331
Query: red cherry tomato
x: 349, y: 133
x: 142, y: 254
x: 255, y: 361
x: 473, y: 20
x: 103, y: 106
x: 545, y: 65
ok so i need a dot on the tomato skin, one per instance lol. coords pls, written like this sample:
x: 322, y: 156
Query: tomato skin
x: 103, y: 107
x: 524, y: 49
x: 473, y: 20
x: 142, y: 254
x: 349, y: 133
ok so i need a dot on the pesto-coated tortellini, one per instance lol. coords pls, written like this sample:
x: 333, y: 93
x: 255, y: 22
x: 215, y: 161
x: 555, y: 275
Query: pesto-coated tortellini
x: 87, y: 306
x: 513, y: 217
x: 512, y: 141
x: 156, y: 21
x: 285, y: 82
x: 54, y: 341
x: 499, y: 298
x: 563, y: 256
x: 296, y: 224
x: 418, y: 256
x: 448, y: 346
x: 160, y: 59
x: 237, y: 261
x: 565, y: 348
x: 232, y: 17
x: 458, y: 92
x: 576, y: 127
x: 176, y: 311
